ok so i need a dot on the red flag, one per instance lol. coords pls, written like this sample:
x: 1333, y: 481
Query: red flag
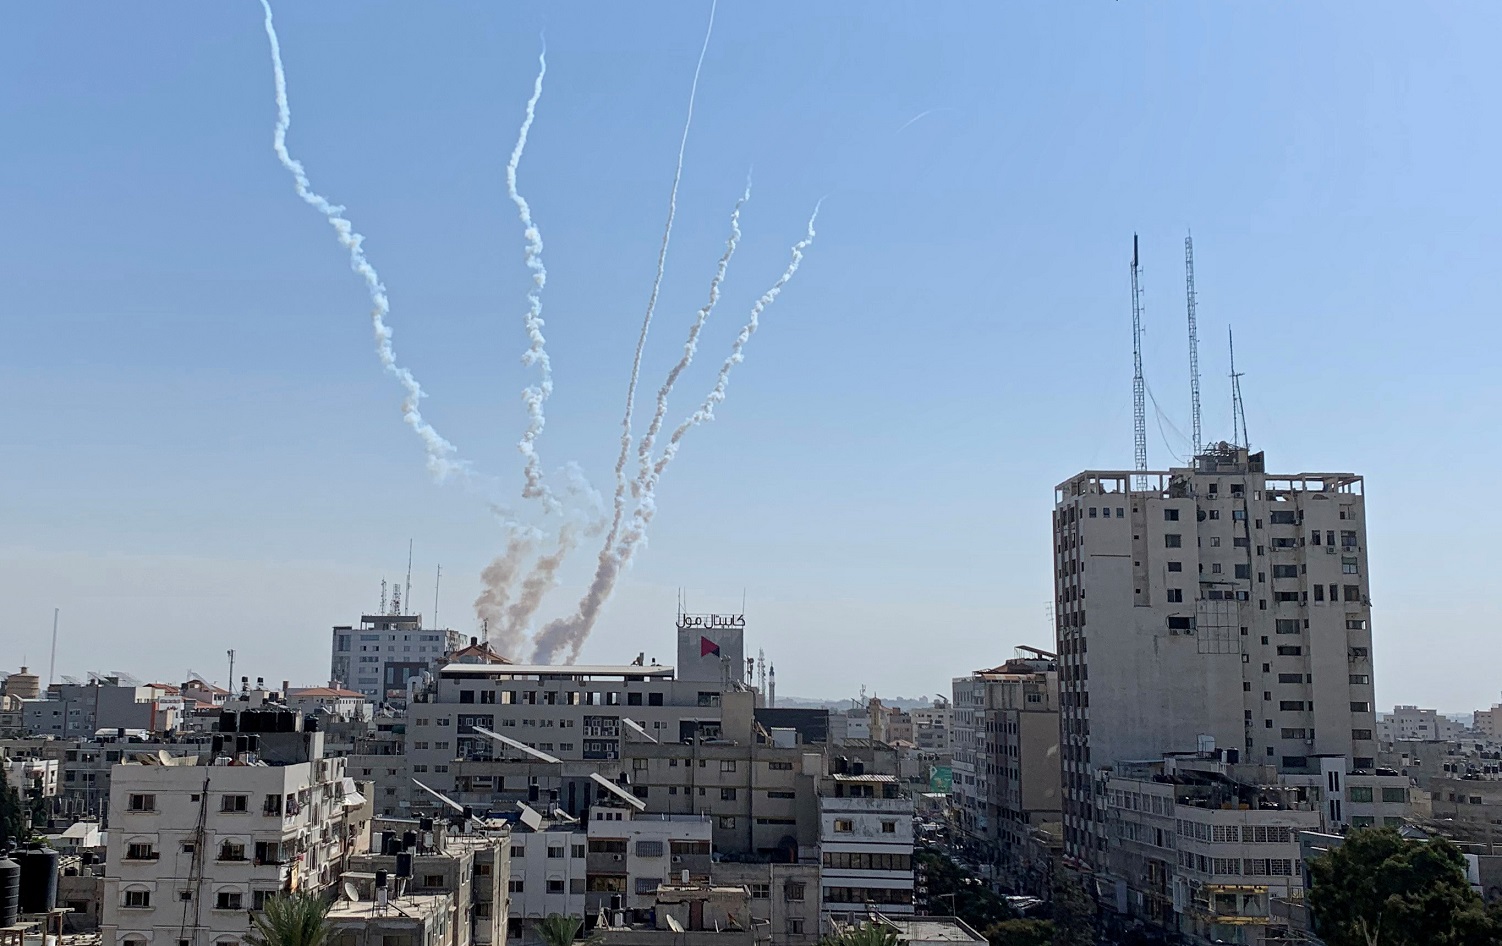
x: 707, y: 647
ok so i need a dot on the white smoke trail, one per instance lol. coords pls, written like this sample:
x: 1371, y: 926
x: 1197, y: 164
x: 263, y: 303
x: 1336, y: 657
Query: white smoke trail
x: 536, y: 395
x: 571, y: 632
x: 495, y: 594
x: 641, y: 341
x: 690, y: 348
x: 539, y: 581
x: 648, y: 506
x: 439, y: 450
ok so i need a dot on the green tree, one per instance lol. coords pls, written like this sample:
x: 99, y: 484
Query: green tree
x: 1020, y: 933
x: 558, y: 930
x: 865, y: 934
x: 953, y: 889
x: 1378, y: 889
x: 1073, y: 911
x: 12, y: 808
x: 291, y: 919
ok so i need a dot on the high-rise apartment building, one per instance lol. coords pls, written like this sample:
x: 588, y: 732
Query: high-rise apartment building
x: 1006, y: 762
x: 377, y: 658
x: 1217, y: 605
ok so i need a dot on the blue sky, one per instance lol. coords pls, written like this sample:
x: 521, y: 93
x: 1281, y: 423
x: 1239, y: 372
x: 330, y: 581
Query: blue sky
x: 201, y: 451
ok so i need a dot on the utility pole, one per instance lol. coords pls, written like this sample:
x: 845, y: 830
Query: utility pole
x: 1194, y: 341
x: 407, y: 591
x: 231, y: 685
x: 1139, y: 403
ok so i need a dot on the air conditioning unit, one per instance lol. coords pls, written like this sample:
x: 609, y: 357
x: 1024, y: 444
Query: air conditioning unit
x: 1329, y: 550
x: 677, y: 858
x: 615, y: 857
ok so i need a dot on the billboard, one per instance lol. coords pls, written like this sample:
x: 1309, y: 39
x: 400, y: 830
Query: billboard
x: 712, y: 647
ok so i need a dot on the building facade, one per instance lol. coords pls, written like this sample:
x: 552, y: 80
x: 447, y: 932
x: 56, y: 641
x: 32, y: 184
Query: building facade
x: 386, y: 652
x: 1215, y: 601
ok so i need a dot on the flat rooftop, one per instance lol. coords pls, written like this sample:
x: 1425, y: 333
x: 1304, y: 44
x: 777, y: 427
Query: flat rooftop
x: 553, y: 671
x: 419, y: 907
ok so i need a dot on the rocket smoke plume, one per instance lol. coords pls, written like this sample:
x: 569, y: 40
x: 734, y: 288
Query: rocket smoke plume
x: 535, y: 395
x: 641, y: 341
x: 647, y: 507
x: 690, y: 347
x: 440, y: 452
x: 570, y: 632
x: 497, y: 578
x: 536, y: 585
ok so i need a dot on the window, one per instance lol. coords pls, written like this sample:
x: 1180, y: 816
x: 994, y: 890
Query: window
x: 760, y: 891
x: 1291, y: 706
x: 654, y: 699
x: 140, y: 851
x: 487, y: 696
x: 555, y: 853
x: 1093, y: 512
x: 1290, y: 651
x: 1361, y: 734
x: 645, y: 886
x: 576, y: 850
x: 1354, y: 624
x: 1175, y: 566
x: 466, y: 696
x: 1295, y: 733
x: 1215, y: 568
x: 1214, y: 514
x: 889, y: 827
x: 1282, y: 518
x: 137, y: 899
x: 1285, y: 571
x: 1360, y: 793
x: 1170, y: 515
x: 185, y: 896
x: 649, y: 849
x: 1319, y: 592
x: 1176, y: 595
x: 227, y: 900
x: 794, y: 925
x: 1173, y: 540
x: 793, y: 893
x: 727, y: 794
x: 1352, y: 592
x: 1360, y: 679
x: 1244, y: 571
x: 843, y: 826
x: 1360, y: 707
x: 1348, y: 565
x: 555, y: 885
x: 1287, y: 625
x: 1362, y: 821
x: 234, y: 804
x: 1215, y: 541
x: 1295, y: 762
x: 634, y: 699
x: 1290, y: 678
x: 516, y: 885
x: 780, y: 766
x: 1395, y: 795
x: 727, y: 822
x: 727, y: 765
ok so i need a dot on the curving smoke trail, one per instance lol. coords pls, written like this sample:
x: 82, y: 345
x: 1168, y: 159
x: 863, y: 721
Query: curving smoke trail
x: 570, y: 633
x: 439, y: 451
x: 648, y: 506
x: 536, y: 395
x: 690, y: 348
x: 539, y: 581
x: 641, y: 341
x: 497, y: 578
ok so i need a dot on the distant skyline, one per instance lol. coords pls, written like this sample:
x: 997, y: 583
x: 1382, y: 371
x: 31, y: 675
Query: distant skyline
x: 203, y: 452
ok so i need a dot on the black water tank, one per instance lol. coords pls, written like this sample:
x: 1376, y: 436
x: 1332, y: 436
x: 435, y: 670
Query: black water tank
x: 310, y: 724
x: 227, y: 721
x: 404, y: 864
x: 10, y: 891
x: 38, y: 880
x: 409, y: 840
x: 218, y: 745
x: 381, y: 876
x: 425, y: 824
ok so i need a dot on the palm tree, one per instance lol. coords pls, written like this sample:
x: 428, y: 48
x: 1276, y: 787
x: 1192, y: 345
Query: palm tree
x: 865, y: 934
x: 558, y: 930
x: 291, y: 919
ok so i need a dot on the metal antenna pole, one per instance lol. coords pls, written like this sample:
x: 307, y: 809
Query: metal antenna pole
x: 231, y: 685
x: 52, y: 667
x: 436, y: 582
x: 1194, y: 341
x: 407, y: 591
x: 1238, y: 409
x: 1139, y: 403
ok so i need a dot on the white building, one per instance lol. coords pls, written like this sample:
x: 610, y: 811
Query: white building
x: 387, y: 651
x: 194, y: 847
x: 34, y: 778
x: 547, y: 876
x: 865, y: 845
x: 1216, y: 600
x: 632, y: 853
x: 933, y: 726
x: 1412, y: 724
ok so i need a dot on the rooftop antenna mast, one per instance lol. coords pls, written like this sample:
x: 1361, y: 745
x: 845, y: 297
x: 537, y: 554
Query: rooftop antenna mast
x: 1139, y: 403
x: 436, y: 582
x: 52, y: 667
x: 407, y: 591
x: 1194, y: 340
x: 231, y: 685
x: 1238, y: 409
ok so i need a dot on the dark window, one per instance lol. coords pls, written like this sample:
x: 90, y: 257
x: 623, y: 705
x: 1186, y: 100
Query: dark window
x: 654, y: 699
x: 1173, y: 540
x: 466, y: 696
x: 1170, y: 515
x: 633, y: 699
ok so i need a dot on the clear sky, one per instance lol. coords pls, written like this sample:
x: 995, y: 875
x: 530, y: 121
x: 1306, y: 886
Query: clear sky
x: 200, y: 450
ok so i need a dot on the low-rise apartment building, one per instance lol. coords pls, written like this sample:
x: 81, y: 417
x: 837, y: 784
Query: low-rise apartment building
x: 865, y: 845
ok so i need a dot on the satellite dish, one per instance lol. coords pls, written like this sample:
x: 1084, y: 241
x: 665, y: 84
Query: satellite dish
x: 351, y: 892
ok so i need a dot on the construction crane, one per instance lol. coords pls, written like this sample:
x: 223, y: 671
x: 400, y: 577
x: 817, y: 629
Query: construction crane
x: 1139, y: 403
x: 1194, y: 341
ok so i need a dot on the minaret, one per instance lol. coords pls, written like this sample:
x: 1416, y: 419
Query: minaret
x: 772, y: 686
